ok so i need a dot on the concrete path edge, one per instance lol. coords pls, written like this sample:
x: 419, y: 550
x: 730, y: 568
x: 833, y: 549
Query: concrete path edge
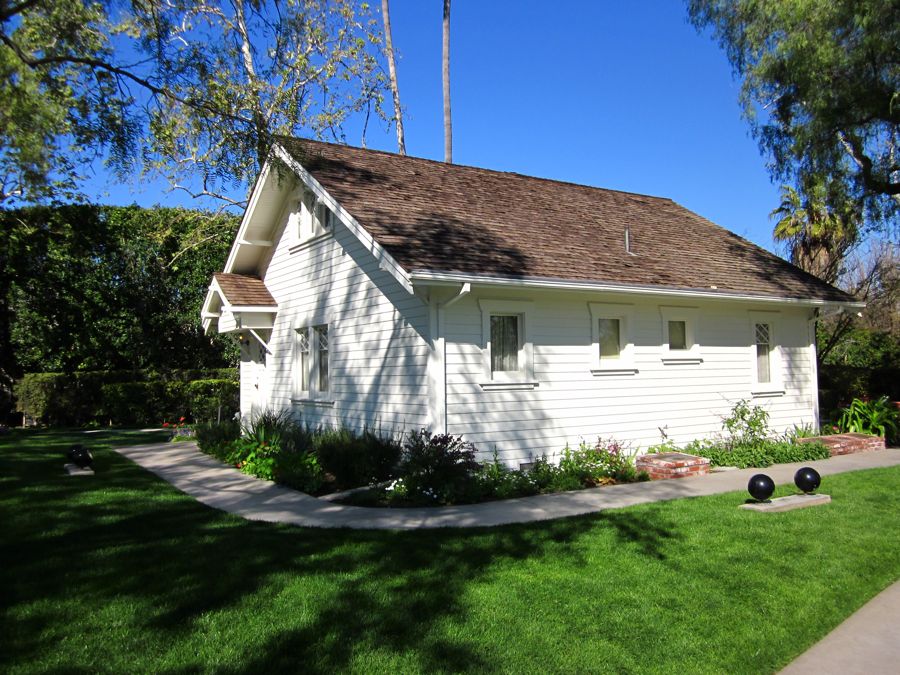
x: 866, y: 643
x: 226, y: 488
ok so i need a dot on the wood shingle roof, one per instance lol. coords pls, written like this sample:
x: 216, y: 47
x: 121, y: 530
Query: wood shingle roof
x: 244, y: 290
x: 437, y: 217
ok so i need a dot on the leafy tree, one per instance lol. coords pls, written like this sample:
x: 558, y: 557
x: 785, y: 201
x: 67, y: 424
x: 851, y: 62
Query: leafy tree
x: 864, y: 348
x: 63, y: 99
x: 245, y: 71
x: 819, y: 227
x: 821, y: 87
x: 191, y: 89
x: 87, y: 287
x: 872, y: 275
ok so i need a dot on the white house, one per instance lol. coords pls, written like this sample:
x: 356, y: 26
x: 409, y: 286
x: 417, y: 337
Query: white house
x: 370, y: 289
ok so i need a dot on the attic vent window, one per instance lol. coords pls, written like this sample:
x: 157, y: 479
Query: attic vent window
x: 314, y: 218
x: 324, y: 217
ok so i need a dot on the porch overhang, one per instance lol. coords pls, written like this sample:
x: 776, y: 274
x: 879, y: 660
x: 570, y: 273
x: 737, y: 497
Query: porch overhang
x: 236, y: 302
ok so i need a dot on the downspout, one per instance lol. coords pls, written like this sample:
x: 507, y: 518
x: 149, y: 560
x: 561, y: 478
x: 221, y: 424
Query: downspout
x: 819, y: 315
x: 440, y: 346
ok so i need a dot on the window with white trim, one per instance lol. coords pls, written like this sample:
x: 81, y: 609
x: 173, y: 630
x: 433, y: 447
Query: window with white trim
x: 311, y: 374
x: 677, y: 340
x: 508, y: 347
x: 610, y: 336
x: 765, y: 355
x: 612, y: 345
x: 679, y: 335
x: 313, y: 217
x: 505, y: 343
x: 763, y: 334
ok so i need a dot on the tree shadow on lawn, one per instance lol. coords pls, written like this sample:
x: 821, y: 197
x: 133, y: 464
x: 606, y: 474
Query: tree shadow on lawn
x: 124, y: 535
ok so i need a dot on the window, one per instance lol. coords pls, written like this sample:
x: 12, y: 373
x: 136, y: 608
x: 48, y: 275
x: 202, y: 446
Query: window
x: 321, y: 334
x: 508, y: 349
x: 678, y: 335
x: 765, y: 355
x: 311, y: 376
x: 680, y: 345
x: 504, y: 343
x: 313, y: 218
x: 304, y: 359
x: 612, y: 347
x: 609, y: 332
x: 324, y: 217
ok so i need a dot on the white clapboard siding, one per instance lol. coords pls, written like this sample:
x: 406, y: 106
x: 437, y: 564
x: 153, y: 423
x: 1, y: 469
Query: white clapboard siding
x: 378, y: 347
x: 569, y: 403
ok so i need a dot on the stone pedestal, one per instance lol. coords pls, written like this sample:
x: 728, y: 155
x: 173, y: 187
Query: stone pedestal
x: 75, y: 470
x: 672, y: 465
x: 788, y: 503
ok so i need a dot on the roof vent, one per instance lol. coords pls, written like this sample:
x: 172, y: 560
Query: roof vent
x: 628, y: 241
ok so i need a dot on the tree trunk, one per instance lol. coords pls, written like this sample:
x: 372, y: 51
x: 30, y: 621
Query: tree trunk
x: 448, y: 127
x: 259, y: 118
x: 392, y: 69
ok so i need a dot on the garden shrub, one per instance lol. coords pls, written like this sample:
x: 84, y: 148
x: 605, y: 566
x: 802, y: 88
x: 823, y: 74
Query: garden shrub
x: 590, y: 465
x: 746, y: 424
x: 274, y: 447
x: 762, y: 454
x: 667, y: 445
x: 356, y: 459
x: 543, y: 473
x: 437, y: 468
x: 879, y: 418
x: 299, y: 469
x: 496, y: 480
x: 440, y: 469
x: 217, y: 438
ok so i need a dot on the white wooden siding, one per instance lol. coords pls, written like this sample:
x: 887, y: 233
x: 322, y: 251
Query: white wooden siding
x: 378, y: 346
x: 570, y: 403
x: 379, y: 349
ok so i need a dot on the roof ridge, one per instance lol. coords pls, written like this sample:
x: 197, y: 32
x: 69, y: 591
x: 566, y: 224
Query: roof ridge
x: 475, y: 168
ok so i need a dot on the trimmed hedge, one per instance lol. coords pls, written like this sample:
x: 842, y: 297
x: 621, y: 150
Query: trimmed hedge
x: 213, y: 400
x: 127, y: 397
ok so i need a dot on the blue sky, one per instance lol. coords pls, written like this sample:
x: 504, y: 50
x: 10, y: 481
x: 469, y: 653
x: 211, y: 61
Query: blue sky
x: 618, y: 95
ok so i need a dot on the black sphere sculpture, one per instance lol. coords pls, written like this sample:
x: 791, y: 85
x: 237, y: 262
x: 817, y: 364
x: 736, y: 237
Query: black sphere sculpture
x: 807, y: 479
x: 761, y: 487
x: 80, y: 456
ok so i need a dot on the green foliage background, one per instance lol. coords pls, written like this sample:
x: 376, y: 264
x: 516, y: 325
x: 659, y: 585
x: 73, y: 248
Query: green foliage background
x: 87, y: 287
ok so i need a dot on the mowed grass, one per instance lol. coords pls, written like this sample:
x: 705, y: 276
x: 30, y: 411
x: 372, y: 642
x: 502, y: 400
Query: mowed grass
x: 121, y: 573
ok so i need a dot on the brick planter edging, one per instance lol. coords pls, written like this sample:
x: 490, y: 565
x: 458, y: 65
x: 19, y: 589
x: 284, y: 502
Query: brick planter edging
x: 847, y: 444
x: 672, y: 465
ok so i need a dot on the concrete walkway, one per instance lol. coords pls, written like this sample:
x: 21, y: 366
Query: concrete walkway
x: 223, y: 487
x: 867, y: 643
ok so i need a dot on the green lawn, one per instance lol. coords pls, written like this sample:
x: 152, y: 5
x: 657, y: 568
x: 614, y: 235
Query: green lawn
x: 121, y: 573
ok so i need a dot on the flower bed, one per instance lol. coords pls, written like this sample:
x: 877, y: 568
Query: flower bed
x: 423, y: 469
x: 441, y: 470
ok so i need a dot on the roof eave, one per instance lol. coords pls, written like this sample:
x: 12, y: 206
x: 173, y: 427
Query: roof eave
x: 386, y: 261
x: 432, y: 278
